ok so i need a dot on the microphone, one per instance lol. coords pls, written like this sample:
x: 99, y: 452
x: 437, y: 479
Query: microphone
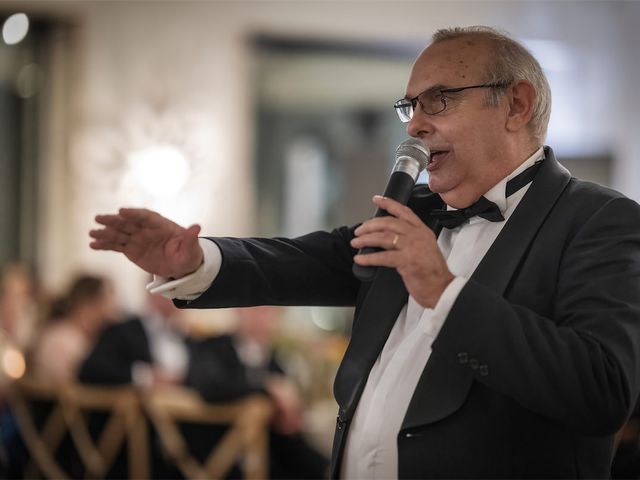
x: 411, y: 158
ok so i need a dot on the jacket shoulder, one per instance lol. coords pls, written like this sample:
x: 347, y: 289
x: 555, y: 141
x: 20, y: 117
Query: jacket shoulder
x: 591, y: 197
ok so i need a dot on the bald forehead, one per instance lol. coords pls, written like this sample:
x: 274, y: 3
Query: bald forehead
x: 450, y: 63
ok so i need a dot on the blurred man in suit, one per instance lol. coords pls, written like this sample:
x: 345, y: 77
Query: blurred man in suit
x: 501, y: 334
x: 229, y: 367
x: 145, y: 351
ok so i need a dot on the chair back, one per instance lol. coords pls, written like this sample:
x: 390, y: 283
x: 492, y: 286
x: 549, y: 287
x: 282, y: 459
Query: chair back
x: 68, y: 415
x: 245, y: 442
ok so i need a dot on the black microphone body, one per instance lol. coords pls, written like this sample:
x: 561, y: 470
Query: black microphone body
x: 411, y: 158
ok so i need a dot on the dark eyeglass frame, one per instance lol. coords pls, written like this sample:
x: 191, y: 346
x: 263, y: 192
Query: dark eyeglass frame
x: 401, y: 105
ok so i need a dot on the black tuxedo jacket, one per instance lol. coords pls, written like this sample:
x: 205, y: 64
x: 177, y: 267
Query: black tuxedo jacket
x: 117, y: 348
x: 217, y: 372
x: 537, y: 364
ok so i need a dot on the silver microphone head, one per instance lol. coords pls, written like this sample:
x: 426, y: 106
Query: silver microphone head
x: 414, y: 148
x: 411, y: 157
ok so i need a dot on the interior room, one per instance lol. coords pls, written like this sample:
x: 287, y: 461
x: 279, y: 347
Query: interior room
x: 267, y: 118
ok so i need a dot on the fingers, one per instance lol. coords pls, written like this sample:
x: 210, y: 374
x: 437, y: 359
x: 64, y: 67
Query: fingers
x: 115, y: 235
x: 106, y: 245
x: 397, y: 209
x: 109, y: 239
x: 401, y: 221
x: 144, y: 218
x: 386, y: 258
x: 110, y: 235
x: 385, y: 239
x: 130, y: 220
x: 134, y: 226
x: 382, y: 224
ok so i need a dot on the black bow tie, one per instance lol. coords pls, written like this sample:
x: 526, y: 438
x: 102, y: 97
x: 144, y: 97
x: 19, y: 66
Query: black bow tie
x: 485, y: 208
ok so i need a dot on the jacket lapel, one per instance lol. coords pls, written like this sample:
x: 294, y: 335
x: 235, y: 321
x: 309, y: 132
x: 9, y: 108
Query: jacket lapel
x: 382, y: 304
x: 442, y: 388
x: 378, y: 313
x: 501, y: 261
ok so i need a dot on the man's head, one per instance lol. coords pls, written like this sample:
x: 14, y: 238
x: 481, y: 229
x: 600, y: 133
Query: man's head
x: 486, y: 131
x: 259, y: 324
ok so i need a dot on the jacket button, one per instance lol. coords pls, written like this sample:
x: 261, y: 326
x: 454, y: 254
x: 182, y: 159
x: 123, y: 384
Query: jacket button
x: 484, y: 370
x: 474, y: 364
x: 463, y: 357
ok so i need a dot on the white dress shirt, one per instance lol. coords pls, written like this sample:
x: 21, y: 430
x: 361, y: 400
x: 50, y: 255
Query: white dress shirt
x: 371, y: 446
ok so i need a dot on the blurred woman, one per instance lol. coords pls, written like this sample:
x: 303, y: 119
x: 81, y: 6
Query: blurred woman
x: 18, y: 305
x: 74, y: 323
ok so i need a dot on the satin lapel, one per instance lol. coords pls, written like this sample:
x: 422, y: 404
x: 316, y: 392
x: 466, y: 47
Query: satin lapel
x: 501, y: 261
x: 380, y: 308
x: 443, y: 387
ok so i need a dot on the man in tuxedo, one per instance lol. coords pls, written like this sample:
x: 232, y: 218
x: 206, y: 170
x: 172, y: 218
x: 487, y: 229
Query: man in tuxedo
x: 501, y: 334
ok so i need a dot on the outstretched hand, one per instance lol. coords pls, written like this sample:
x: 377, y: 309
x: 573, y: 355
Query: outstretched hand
x: 409, y: 246
x: 151, y: 241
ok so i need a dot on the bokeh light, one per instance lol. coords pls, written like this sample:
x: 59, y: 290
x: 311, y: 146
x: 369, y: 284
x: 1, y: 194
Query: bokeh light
x: 160, y: 170
x: 15, y: 28
x: 13, y: 363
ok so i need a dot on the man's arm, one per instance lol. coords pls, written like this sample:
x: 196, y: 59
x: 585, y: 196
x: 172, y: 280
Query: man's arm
x: 313, y: 269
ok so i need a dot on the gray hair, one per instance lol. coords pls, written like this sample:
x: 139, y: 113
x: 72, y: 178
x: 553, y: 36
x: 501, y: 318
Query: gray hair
x: 510, y: 62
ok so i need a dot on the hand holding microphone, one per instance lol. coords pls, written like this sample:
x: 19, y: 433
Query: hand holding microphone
x: 412, y: 157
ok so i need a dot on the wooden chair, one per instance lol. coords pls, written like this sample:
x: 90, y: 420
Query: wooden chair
x: 68, y: 415
x: 246, y: 440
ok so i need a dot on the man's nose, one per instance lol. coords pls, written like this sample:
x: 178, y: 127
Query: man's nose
x: 420, y: 123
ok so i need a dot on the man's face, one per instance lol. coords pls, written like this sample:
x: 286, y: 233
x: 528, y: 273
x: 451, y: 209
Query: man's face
x: 467, y: 139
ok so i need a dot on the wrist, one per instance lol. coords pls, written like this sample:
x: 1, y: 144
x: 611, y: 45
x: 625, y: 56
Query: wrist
x: 438, y: 289
x: 192, y: 268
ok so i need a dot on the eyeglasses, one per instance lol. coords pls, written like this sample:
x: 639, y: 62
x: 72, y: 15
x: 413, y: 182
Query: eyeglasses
x: 433, y: 101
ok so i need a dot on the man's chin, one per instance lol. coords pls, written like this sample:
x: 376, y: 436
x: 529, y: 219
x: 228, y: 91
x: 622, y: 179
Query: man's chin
x: 436, y: 186
x: 450, y: 195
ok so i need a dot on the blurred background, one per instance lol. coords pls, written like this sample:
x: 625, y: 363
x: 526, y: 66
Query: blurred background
x: 254, y: 118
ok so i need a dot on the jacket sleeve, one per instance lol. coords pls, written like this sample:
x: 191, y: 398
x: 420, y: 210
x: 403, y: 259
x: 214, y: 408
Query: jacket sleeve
x: 313, y: 269
x: 580, y: 366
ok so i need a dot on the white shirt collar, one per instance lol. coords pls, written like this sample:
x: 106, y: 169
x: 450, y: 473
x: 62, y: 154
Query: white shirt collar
x: 497, y: 193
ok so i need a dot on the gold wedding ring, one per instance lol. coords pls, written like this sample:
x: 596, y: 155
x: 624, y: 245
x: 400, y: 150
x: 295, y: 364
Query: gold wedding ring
x: 394, y: 243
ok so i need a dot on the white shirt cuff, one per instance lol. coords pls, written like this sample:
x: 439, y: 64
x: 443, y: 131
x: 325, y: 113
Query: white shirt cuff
x: 444, y: 306
x: 193, y: 285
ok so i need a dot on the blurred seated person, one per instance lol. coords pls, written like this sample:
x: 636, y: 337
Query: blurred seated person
x: 18, y: 305
x: 144, y: 351
x: 19, y: 316
x: 229, y: 367
x: 75, y: 320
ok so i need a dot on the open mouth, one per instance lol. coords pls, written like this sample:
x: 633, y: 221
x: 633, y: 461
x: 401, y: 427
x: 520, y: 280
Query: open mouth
x: 437, y: 156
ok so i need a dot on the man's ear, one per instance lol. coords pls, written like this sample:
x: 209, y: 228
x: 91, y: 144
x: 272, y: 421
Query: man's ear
x: 521, y: 97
